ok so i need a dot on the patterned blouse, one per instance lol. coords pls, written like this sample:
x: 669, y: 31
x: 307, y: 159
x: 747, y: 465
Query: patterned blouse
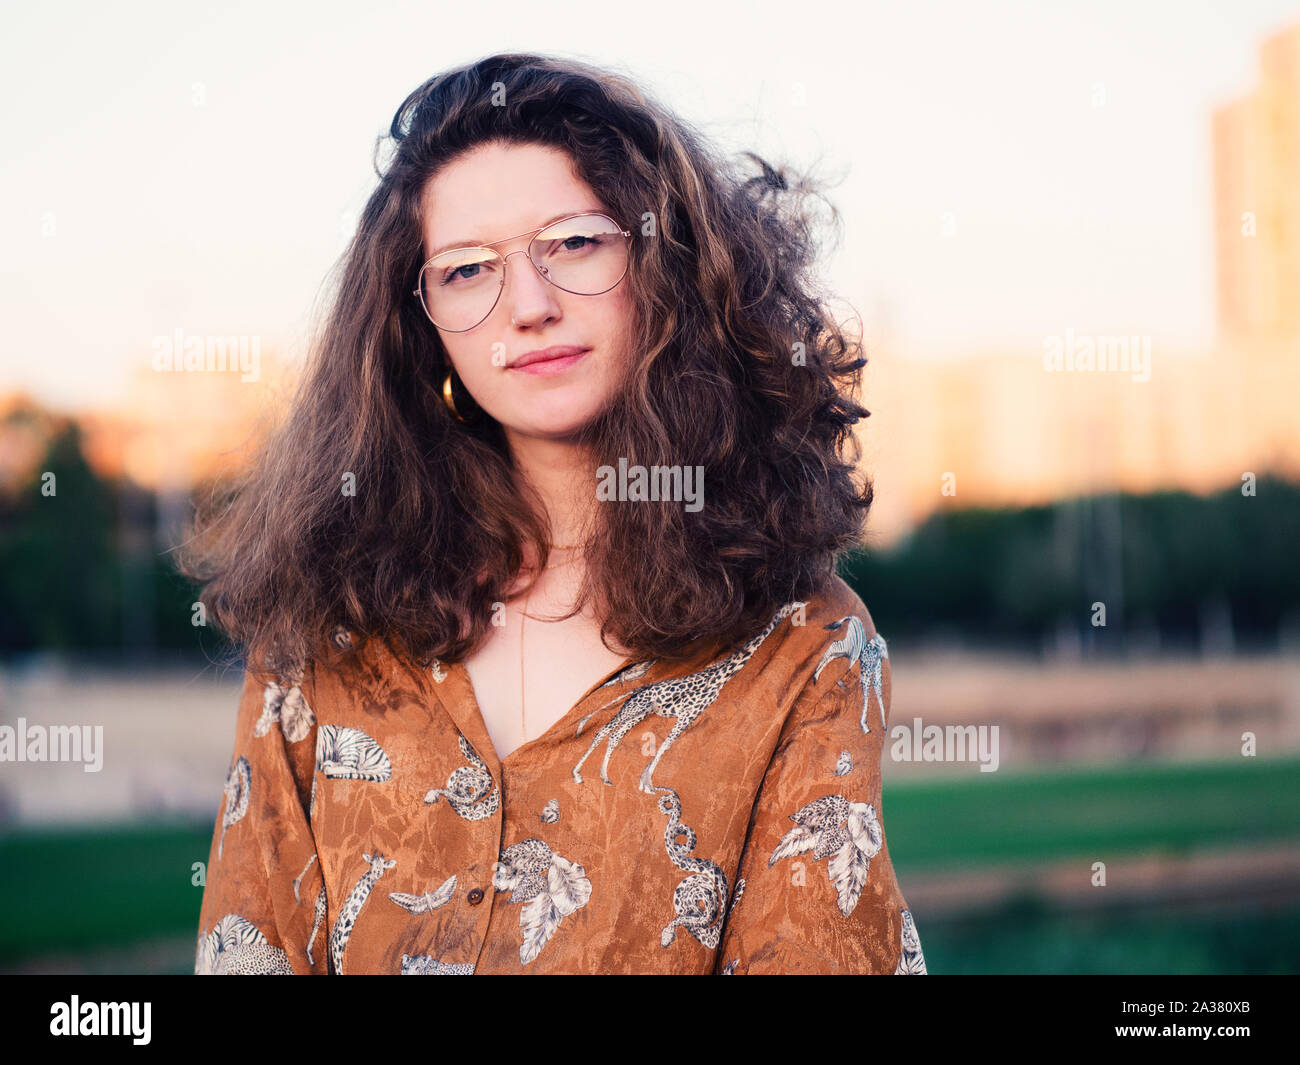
x: 714, y: 816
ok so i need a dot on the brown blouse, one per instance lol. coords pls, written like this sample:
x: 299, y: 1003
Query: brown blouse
x: 715, y: 816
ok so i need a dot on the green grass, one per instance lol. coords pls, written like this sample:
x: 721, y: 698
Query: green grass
x: 1030, y: 935
x: 83, y: 888
x: 990, y: 818
x: 99, y: 888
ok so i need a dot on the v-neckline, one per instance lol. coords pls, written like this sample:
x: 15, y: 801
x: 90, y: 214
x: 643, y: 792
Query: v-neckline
x: 478, y: 723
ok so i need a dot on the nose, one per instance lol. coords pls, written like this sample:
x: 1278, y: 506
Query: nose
x: 528, y: 296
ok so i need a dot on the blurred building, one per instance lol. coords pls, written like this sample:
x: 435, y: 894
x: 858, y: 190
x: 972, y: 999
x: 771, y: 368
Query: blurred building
x: 997, y: 428
x: 1005, y: 430
x: 1256, y: 146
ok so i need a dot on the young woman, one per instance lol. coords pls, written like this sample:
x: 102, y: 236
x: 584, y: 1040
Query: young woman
x: 549, y: 668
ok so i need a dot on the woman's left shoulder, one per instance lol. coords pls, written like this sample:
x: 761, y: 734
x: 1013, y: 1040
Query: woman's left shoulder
x: 831, y: 624
x: 837, y: 606
x: 835, y: 613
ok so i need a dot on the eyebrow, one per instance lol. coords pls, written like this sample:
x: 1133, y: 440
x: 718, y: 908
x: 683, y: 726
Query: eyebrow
x: 471, y: 243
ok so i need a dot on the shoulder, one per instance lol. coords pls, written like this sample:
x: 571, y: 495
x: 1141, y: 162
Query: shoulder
x: 809, y: 646
x: 358, y: 679
x: 837, y: 606
x: 833, y: 624
x: 840, y: 690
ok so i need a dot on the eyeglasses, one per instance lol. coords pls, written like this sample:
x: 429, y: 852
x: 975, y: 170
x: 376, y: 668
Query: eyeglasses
x: 585, y: 254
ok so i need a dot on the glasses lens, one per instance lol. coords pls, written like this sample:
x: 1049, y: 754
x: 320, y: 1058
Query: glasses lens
x: 586, y: 255
x: 459, y: 287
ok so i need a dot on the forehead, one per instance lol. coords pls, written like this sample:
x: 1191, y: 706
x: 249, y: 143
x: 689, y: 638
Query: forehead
x: 497, y: 190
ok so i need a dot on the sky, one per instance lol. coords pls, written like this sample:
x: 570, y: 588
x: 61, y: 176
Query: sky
x: 1004, y: 170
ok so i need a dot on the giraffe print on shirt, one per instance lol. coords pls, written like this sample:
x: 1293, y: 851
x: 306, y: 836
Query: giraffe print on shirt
x: 683, y: 699
x: 352, y: 906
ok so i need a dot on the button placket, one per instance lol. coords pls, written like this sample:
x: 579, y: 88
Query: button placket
x: 482, y: 919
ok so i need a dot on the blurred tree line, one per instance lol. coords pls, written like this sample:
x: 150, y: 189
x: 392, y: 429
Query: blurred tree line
x: 1172, y: 570
x: 88, y: 568
x: 80, y: 568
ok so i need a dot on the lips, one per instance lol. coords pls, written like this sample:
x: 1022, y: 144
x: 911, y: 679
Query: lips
x: 558, y: 351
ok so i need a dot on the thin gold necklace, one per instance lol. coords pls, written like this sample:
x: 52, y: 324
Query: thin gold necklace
x: 523, y: 617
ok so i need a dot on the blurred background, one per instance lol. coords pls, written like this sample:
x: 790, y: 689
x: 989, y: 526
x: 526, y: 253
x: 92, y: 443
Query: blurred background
x: 1072, y: 234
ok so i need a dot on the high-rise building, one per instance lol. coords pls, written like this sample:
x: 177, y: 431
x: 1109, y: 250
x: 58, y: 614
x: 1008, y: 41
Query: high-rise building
x: 1256, y: 144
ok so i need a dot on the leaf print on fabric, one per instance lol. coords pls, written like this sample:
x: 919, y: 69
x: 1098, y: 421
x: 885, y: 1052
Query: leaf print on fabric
x: 730, y: 970
x: 911, y: 962
x: 236, y: 947
x: 550, y: 812
x: 467, y: 787
x: 869, y: 654
x: 683, y: 699
x: 342, y: 930
x: 287, y: 705
x: 844, y: 764
x: 849, y: 832
x: 549, y: 886
x: 429, y: 901
x: 428, y: 965
x: 350, y: 754
x: 238, y: 784
x: 701, y: 899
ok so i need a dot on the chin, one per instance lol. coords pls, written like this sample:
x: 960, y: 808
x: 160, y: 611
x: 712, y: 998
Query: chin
x: 563, y: 420
x: 551, y: 429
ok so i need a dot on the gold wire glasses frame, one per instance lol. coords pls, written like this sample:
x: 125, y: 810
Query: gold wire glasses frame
x: 542, y: 271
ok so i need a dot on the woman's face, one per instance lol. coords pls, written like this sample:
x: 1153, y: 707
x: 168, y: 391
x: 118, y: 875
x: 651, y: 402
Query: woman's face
x: 494, y: 191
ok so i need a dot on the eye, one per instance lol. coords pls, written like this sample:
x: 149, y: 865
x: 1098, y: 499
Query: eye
x: 454, y: 274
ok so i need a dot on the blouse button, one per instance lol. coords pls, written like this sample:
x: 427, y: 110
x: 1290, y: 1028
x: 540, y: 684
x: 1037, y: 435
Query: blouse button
x: 475, y: 896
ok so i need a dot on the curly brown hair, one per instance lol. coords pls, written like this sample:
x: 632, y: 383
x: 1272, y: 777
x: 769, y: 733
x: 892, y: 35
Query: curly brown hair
x: 737, y: 364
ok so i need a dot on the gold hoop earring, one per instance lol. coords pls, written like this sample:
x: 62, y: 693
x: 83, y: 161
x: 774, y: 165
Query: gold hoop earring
x: 446, y: 398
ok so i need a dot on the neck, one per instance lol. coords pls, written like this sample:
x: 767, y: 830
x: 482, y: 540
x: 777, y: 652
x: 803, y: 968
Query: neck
x: 561, y: 473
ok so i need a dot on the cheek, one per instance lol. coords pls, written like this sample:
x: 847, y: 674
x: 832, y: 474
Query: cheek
x: 467, y: 360
x: 616, y: 324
